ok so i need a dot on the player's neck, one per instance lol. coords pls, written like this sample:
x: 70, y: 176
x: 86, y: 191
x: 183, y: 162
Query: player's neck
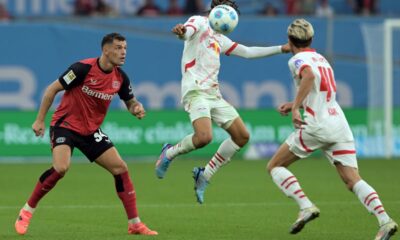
x: 306, y: 49
x: 105, y: 65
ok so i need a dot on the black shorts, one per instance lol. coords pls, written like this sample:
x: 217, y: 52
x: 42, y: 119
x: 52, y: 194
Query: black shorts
x: 91, y: 145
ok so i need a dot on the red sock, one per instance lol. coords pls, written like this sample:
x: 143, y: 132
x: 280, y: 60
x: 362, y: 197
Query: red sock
x: 46, y: 182
x: 126, y: 192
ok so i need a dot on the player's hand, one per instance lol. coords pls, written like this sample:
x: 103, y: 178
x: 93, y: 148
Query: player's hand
x: 284, y: 109
x: 286, y: 48
x: 138, y: 110
x: 38, y: 128
x: 179, y: 30
x: 297, y: 120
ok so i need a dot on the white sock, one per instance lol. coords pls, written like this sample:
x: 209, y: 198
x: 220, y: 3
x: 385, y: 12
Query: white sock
x: 134, y: 220
x: 370, y: 199
x: 184, y: 146
x: 225, y: 152
x: 29, y: 208
x: 288, y: 183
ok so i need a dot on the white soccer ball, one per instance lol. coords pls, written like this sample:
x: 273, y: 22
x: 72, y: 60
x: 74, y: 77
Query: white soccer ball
x: 223, y: 19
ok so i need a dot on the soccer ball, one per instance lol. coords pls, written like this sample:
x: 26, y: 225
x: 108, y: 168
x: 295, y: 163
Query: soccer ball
x: 223, y: 19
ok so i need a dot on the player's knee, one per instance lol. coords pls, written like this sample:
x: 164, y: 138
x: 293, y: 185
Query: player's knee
x: 119, y: 168
x: 242, y: 139
x: 61, y: 169
x: 203, y: 139
x: 350, y: 184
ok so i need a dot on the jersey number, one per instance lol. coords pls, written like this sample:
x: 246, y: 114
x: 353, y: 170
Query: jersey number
x: 327, y: 82
x: 98, y: 136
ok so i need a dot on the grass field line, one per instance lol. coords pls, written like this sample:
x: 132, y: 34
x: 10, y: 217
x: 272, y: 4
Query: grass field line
x: 193, y: 205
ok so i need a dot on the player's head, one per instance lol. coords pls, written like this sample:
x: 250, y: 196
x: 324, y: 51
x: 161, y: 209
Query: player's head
x: 231, y: 3
x: 113, y: 46
x: 300, y: 33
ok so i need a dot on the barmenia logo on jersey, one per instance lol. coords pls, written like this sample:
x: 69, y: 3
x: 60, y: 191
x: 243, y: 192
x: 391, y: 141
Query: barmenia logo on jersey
x: 90, y: 92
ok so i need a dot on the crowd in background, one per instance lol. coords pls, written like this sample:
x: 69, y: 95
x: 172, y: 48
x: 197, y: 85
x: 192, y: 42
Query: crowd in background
x: 150, y: 8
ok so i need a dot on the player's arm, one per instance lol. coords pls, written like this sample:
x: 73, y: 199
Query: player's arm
x: 51, y: 91
x: 71, y: 78
x: 256, y: 52
x: 126, y: 94
x: 187, y: 30
x: 306, y: 84
x: 135, y: 108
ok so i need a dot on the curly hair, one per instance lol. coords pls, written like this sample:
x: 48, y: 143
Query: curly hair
x: 231, y: 3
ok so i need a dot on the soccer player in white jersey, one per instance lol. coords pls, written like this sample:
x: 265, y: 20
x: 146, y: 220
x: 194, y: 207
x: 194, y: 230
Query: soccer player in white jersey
x: 202, y: 98
x: 324, y: 127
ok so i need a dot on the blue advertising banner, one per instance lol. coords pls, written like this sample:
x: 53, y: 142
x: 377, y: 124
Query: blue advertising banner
x: 35, y: 54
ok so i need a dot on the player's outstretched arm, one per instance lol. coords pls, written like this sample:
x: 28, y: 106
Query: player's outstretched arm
x: 259, y: 52
x: 135, y: 108
x: 38, y: 126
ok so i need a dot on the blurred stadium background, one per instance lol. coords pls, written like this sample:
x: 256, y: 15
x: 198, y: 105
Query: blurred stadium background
x: 41, y: 38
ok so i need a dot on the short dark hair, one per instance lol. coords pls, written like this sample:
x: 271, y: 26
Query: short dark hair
x: 230, y: 3
x: 109, y: 38
x: 300, y: 43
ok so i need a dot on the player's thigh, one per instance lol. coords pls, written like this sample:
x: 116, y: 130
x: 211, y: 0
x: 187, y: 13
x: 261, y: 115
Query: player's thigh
x: 282, y: 158
x: 93, y: 145
x: 238, y: 132
x: 223, y: 113
x: 343, y: 153
x: 61, y: 158
x: 198, y: 108
x: 112, y: 161
x: 62, y: 144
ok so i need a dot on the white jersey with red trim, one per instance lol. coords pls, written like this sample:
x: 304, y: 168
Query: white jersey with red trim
x: 201, y: 57
x: 323, y: 115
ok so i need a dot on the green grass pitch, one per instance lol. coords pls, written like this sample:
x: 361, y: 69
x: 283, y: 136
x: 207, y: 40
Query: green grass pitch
x: 241, y: 202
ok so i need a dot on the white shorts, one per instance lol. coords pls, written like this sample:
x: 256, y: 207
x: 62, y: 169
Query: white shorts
x: 302, y: 144
x: 217, y: 109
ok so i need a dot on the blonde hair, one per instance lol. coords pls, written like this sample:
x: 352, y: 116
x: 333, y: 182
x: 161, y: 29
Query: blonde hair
x: 301, y: 29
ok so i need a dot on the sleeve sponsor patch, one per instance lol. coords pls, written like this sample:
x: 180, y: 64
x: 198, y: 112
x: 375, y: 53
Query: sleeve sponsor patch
x: 298, y: 63
x: 69, y: 77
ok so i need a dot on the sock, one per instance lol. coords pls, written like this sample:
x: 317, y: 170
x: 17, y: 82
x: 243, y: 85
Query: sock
x: 225, y: 152
x: 184, y: 146
x: 370, y: 199
x: 126, y: 192
x: 29, y: 208
x: 134, y: 220
x: 46, y: 182
x: 288, y: 183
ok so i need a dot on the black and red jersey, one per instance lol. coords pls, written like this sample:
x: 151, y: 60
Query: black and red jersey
x: 88, y: 94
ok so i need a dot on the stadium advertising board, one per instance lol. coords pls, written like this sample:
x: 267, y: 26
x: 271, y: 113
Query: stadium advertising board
x: 136, y: 138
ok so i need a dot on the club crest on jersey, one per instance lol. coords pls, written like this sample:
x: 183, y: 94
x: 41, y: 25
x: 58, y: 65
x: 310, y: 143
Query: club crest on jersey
x: 215, y: 47
x: 298, y: 63
x: 60, y: 140
x: 115, y: 84
x: 69, y: 77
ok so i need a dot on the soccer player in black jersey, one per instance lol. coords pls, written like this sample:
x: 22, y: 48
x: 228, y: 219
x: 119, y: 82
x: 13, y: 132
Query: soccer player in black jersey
x: 89, y: 87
